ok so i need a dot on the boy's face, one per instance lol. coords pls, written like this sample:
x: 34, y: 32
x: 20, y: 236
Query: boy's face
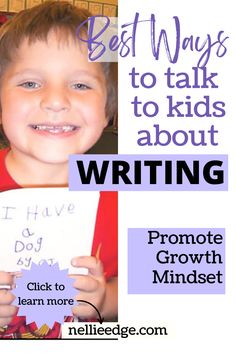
x: 52, y: 101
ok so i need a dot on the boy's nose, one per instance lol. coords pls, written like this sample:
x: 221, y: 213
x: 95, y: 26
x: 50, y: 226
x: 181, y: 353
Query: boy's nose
x: 55, y: 101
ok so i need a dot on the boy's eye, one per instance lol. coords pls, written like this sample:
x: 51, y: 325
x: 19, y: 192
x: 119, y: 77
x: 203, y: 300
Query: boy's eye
x: 30, y: 85
x: 79, y: 86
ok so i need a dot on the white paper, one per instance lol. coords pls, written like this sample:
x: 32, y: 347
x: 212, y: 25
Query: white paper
x: 51, y: 224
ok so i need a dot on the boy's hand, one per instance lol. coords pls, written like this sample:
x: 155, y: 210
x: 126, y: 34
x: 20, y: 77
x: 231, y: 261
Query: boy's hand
x: 93, y: 288
x: 7, y: 311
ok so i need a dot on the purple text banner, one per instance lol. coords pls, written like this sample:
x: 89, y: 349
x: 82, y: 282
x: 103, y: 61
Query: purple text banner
x: 148, y: 172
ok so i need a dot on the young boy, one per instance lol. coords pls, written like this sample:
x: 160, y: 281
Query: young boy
x: 55, y: 103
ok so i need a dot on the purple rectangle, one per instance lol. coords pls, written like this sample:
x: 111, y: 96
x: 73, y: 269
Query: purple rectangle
x: 148, y: 172
x: 192, y: 264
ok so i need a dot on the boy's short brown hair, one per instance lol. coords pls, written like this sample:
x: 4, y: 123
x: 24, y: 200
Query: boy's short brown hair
x: 35, y: 24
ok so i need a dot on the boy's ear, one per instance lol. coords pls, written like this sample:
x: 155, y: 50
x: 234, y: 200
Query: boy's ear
x: 0, y: 114
x: 106, y: 122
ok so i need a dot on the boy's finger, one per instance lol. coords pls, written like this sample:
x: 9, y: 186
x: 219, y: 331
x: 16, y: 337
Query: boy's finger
x: 93, y: 264
x: 16, y: 274
x: 83, y: 310
x: 6, y: 278
x: 7, y: 310
x: 85, y: 283
x: 6, y: 297
x: 5, y: 321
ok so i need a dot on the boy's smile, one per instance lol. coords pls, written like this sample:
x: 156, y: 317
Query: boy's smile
x: 55, y: 129
x: 53, y: 101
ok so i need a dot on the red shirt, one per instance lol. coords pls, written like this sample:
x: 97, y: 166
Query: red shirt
x: 104, y: 247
